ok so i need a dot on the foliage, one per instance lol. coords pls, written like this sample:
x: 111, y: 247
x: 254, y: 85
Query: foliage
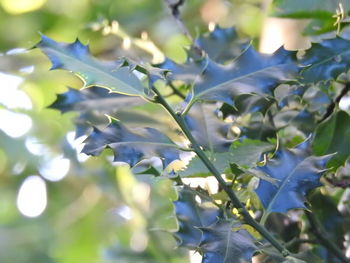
x: 262, y: 133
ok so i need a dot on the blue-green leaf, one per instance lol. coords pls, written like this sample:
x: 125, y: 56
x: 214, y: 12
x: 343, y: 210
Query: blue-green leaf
x: 296, y: 172
x: 245, y: 154
x: 191, y: 215
x: 116, y: 76
x: 132, y: 146
x: 94, y: 98
x: 222, y: 44
x: 93, y: 104
x: 207, y: 128
x: 226, y: 242
x: 326, y: 60
x: 251, y: 72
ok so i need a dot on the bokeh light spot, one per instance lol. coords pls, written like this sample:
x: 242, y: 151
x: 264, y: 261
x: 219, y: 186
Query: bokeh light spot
x: 32, y: 199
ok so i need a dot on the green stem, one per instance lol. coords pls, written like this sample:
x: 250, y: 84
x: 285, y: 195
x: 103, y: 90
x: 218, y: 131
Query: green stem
x: 234, y: 199
x: 322, y: 236
x: 175, y: 90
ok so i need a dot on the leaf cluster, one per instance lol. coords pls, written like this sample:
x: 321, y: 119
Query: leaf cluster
x: 270, y: 124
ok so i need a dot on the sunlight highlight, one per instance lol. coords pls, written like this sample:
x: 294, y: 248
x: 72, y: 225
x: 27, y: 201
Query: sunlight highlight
x: 195, y: 257
x: 17, y: 7
x: 32, y: 196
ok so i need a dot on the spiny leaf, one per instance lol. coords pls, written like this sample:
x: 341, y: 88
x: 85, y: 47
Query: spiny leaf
x: 247, y: 103
x: 245, y: 154
x: 191, y: 215
x: 332, y: 136
x: 187, y: 72
x: 284, y: 93
x: 75, y: 57
x: 225, y: 242
x: 296, y: 172
x: 251, y: 72
x: 301, y: 119
x: 222, y: 44
x: 92, y: 104
x: 207, y: 128
x: 131, y: 146
x: 326, y: 60
x: 258, y: 127
x: 94, y: 98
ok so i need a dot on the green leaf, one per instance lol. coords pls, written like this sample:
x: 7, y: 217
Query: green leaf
x: 296, y: 172
x: 326, y: 60
x: 191, y: 215
x: 333, y: 136
x: 132, y: 146
x: 245, y: 154
x: 251, y: 72
x: 116, y: 76
x: 225, y: 242
x: 207, y: 128
x: 323, y: 9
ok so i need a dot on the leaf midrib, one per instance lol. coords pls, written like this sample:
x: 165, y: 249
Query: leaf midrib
x: 284, y: 182
x: 228, y: 241
x: 145, y: 142
x: 62, y: 53
x: 326, y: 60
x: 238, y: 78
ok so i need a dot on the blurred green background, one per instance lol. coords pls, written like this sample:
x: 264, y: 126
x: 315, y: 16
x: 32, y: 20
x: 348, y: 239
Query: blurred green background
x: 57, y: 205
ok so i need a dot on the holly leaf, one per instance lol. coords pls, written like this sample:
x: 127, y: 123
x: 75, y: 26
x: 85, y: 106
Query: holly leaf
x: 296, y: 172
x: 207, y: 128
x: 132, y: 146
x: 222, y: 44
x: 94, y: 99
x: 245, y: 154
x: 116, y: 76
x: 190, y: 216
x: 286, y: 93
x: 225, y: 242
x: 94, y: 103
x: 247, y: 103
x: 332, y: 136
x: 187, y: 72
x: 251, y: 72
x: 258, y: 127
x: 301, y: 119
x: 326, y: 60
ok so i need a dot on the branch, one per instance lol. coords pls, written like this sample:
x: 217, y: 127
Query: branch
x: 175, y: 90
x: 298, y: 241
x: 321, y: 235
x: 231, y: 194
x: 174, y: 7
x: 332, y: 106
x: 343, y: 182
